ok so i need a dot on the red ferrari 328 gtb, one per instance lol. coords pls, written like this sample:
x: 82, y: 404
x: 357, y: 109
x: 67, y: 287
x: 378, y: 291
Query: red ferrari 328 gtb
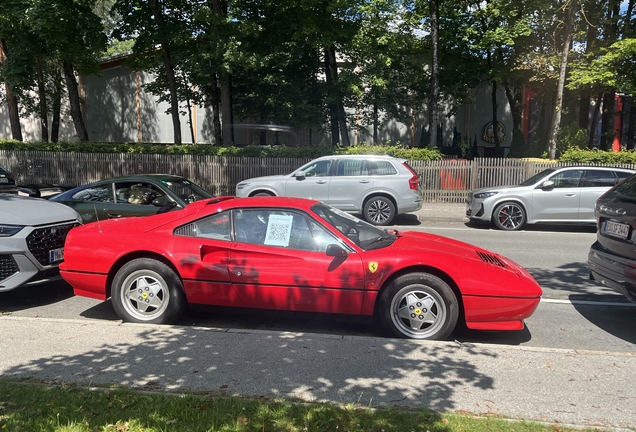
x: 295, y: 254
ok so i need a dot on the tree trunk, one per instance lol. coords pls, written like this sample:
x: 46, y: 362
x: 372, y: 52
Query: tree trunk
x: 170, y: 76
x: 74, y: 101
x: 632, y: 124
x: 332, y: 66
x: 434, y: 88
x: 333, y: 109
x: 495, y: 122
x: 225, y: 83
x: 375, y: 123
x: 556, y: 118
x: 191, y: 122
x: 57, y: 107
x: 515, y: 100
x: 43, y: 108
x: 597, y: 108
x: 607, y: 121
x: 216, y: 121
x: 12, y: 100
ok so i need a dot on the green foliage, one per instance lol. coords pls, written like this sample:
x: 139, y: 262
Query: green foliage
x: 571, y: 136
x: 211, y: 150
x: 580, y: 155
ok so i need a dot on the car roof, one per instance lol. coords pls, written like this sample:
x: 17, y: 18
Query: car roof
x: 232, y: 202
x: 602, y: 168
x: 361, y: 156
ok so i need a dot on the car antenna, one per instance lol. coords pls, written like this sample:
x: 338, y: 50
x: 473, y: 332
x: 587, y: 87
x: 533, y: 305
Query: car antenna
x: 97, y: 218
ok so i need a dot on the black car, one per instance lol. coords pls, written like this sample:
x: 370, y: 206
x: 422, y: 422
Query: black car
x: 612, y: 258
x: 7, y: 182
x: 136, y: 195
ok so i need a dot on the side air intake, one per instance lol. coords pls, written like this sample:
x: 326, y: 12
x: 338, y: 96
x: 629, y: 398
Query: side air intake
x: 491, y: 259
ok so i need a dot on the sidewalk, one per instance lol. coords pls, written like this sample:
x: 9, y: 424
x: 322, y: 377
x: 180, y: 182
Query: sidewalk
x: 442, y: 212
x: 565, y: 387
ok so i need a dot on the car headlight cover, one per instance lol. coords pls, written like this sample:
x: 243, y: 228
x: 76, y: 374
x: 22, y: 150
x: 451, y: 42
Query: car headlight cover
x: 483, y: 195
x: 9, y: 230
x: 242, y: 186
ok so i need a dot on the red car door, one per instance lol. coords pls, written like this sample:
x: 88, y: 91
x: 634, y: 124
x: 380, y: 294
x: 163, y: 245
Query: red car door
x: 279, y: 262
x: 201, y: 250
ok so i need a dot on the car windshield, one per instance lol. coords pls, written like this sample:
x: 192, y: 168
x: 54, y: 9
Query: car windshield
x: 535, y: 178
x: 363, y: 234
x: 187, y: 190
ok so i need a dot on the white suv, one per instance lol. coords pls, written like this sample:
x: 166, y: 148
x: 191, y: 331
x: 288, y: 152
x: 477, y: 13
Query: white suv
x: 32, y: 236
x: 378, y: 187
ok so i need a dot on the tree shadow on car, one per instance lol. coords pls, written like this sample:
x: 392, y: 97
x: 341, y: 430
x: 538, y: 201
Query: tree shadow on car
x: 541, y: 227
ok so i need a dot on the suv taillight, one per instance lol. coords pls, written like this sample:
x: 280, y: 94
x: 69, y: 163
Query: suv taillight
x: 414, y: 182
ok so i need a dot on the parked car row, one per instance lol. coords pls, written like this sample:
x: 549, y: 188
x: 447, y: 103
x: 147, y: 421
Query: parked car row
x: 310, y: 255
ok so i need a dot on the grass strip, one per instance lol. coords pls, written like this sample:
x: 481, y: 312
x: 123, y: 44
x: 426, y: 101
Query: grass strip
x: 30, y: 406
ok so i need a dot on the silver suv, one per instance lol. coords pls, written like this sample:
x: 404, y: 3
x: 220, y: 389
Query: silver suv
x: 378, y: 187
x: 32, y: 236
x: 555, y: 195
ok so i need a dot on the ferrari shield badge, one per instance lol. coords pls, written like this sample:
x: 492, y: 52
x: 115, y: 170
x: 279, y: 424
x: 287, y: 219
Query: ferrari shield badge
x: 373, y: 266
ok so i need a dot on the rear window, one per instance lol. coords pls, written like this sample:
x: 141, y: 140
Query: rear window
x: 627, y: 188
x: 384, y: 168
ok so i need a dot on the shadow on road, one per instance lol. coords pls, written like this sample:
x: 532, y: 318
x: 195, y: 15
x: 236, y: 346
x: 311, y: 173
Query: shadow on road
x: 619, y: 321
x: 27, y: 297
x: 573, y: 227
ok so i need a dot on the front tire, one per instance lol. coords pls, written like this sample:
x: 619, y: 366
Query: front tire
x: 262, y: 194
x: 419, y: 306
x: 145, y: 290
x: 509, y: 216
x: 379, y: 210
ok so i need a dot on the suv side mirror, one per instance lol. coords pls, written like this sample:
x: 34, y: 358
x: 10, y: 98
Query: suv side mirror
x: 336, y: 250
x: 548, y: 184
x: 300, y: 174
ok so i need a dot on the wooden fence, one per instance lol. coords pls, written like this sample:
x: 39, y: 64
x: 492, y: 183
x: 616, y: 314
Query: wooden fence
x: 442, y: 181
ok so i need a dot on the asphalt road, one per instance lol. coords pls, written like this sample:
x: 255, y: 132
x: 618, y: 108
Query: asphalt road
x: 572, y: 364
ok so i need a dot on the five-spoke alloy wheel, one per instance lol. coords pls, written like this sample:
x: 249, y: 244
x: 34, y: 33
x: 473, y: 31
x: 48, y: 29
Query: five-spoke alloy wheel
x: 419, y: 306
x: 145, y: 290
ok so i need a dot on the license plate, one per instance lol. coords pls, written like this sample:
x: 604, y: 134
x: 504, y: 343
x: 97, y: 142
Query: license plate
x: 56, y: 255
x: 4, y: 180
x: 615, y: 229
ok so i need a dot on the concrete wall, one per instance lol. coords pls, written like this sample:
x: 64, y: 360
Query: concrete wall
x: 111, y: 115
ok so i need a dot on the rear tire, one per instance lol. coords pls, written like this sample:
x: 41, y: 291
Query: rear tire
x: 379, y: 210
x: 262, y: 194
x: 419, y: 306
x: 145, y: 290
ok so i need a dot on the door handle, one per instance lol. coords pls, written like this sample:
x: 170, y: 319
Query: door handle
x: 570, y: 195
x: 365, y: 181
x: 113, y: 215
x: 321, y: 181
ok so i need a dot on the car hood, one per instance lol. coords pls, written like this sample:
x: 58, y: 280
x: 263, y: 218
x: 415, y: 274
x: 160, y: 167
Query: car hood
x: 265, y: 179
x: 500, y: 189
x: 18, y: 210
x: 439, y: 244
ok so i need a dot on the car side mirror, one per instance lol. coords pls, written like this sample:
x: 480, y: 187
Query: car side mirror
x: 300, y: 175
x: 548, y: 184
x: 336, y: 250
x: 163, y: 201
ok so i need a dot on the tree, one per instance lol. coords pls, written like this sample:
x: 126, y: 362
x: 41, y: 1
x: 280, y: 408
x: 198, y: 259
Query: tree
x: 567, y: 38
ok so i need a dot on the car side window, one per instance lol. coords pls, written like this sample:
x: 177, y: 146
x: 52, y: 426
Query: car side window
x: 286, y: 229
x: 599, y: 178
x: 352, y: 167
x: 318, y: 169
x: 622, y: 175
x: 384, y: 168
x: 216, y: 226
x: 136, y: 193
x: 567, y: 179
x: 101, y: 193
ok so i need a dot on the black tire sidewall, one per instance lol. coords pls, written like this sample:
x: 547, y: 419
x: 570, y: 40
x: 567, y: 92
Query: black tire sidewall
x: 496, y: 212
x: 431, y: 281
x: 176, y: 297
x: 365, y: 210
